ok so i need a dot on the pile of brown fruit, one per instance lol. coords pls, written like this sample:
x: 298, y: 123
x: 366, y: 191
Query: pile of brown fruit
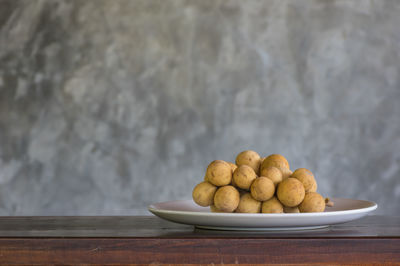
x: 256, y: 184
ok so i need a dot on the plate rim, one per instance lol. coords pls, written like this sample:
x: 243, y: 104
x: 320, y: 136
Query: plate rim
x: 373, y: 207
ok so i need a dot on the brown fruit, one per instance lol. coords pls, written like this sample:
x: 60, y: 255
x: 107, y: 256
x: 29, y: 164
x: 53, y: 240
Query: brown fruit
x: 233, y: 166
x: 272, y: 206
x: 243, y: 176
x: 226, y: 199
x: 276, y: 160
x: 286, y: 173
x: 313, y: 202
x: 248, y: 205
x: 290, y: 209
x: 290, y: 192
x: 214, y: 209
x: 262, y: 188
x: 272, y: 173
x: 307, y: 178
x: 219, y: 173
x: 203, y: 194
x: 233, y: 182
x: 250, y: 158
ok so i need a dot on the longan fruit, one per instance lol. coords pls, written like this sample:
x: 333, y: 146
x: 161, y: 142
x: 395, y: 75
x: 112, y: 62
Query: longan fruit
x: 250, y: 158
x: 307, y: 178
x: 290, y: 192
x: 241, y: 191
x: 248, y: 204
x: 286, y: 173
x: 203, y: 194
x: 276, y: 160
x: 262, y: 188
x: 214, y: 209
x: 226, y: 199
x: 291, y: 209
x: 219, y: 173
x: 233, y: 182
x: 272, y: 206
x: 313, y: 202
x: 233, y: 166
x: 272, y: 173
x: 244, y: 176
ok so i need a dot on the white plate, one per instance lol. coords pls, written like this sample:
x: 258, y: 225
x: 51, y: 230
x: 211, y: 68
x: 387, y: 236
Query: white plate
x: 187, y: 212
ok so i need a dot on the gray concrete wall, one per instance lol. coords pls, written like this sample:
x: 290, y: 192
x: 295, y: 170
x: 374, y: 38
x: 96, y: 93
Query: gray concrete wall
x: 108, y: 106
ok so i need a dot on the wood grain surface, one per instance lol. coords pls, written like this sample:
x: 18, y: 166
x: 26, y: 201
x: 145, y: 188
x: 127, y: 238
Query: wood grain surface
x: 150, y: 240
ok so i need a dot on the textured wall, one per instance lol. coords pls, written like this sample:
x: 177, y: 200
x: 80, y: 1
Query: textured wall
x: 108, y: 106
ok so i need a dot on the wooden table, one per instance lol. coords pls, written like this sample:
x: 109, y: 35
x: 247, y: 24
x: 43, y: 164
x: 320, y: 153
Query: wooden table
x: 150, y: 240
